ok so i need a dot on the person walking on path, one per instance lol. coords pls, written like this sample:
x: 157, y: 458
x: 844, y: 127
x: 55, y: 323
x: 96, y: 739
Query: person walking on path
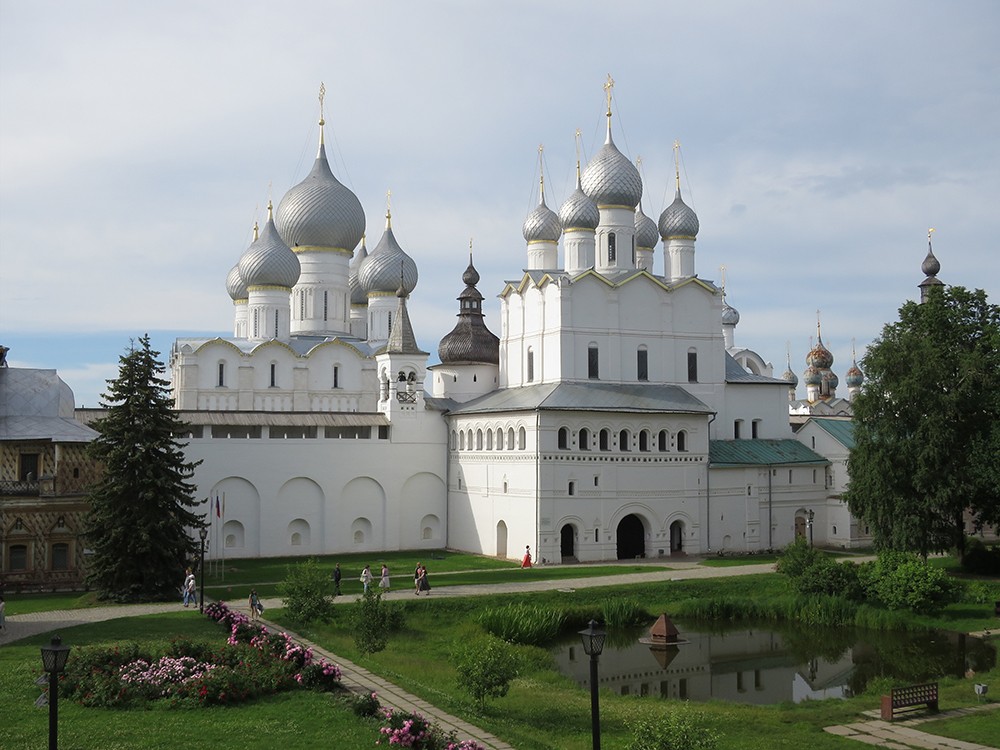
x: 526, y: 562
x: 422, y: 583
x: 256, y: 608
x: 366, y: 577
x: 416, y: 578
x: 190, y: 589
x: 384, y: 581
x: 336, y: 579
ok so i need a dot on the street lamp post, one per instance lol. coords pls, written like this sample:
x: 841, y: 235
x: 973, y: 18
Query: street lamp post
x: 203, y: 533
x: 810, y: 525
x: 54, y: 658
x: 593, y: 645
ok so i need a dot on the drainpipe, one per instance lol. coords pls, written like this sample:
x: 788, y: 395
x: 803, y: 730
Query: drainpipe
x: 538, y: 484
x: 708, y: 486
x: 770, y: 526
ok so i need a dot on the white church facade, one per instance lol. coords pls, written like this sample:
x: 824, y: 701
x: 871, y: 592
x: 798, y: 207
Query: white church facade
x: 611, y: 417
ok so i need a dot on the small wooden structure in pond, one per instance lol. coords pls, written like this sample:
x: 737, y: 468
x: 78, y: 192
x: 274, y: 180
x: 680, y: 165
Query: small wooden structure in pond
x: 663, y: 640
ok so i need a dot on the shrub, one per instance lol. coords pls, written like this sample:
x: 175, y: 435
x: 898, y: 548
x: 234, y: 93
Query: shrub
x: 796, y: 558
x: 304, y: 591
x: 372, y: 620
x: 319, y: 675
x: 485, y: 668
x: 901, y: 580
x: 681, y: 728
x: 365, y: 705
x: 412, y: 730
x: 825, y: 576
x: 522, y: 623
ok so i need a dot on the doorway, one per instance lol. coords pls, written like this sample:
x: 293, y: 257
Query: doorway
x: 631, y: 538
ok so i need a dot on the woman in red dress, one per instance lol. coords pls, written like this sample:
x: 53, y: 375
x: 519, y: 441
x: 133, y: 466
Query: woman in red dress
x: 526, y: 562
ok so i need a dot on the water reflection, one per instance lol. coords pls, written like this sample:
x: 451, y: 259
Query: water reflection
x: 764, y: 666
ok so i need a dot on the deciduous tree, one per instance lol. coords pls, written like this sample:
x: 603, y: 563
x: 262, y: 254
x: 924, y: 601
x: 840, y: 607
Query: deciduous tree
x: 927, y: 424
x: 140, y: 519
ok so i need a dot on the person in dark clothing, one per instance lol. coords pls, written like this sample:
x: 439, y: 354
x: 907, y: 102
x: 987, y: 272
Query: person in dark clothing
x: 336, y: 579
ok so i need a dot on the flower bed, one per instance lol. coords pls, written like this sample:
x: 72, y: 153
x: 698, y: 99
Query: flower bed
x: 252, y: 662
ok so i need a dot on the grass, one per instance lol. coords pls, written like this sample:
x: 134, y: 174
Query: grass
x: 982, y: 728
x: 299, y: 720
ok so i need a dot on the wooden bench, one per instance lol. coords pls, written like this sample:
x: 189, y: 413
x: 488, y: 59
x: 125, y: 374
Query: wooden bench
x: 909, y: 698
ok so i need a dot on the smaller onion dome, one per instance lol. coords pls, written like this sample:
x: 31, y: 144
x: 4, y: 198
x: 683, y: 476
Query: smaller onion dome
x: 542, y: 224
x: 235, y: 285
x: 579, y: 211
x: 646, y: 235
x: 358, y: 296
x: 790, y: 377
x: 678, y: 220
x: 382, y: 269
x: 730, y: 315
x: 830, y: 379
x: 812, y: 376
x: 854, y: 377
x: 931, y: 265
x: 269, y: 261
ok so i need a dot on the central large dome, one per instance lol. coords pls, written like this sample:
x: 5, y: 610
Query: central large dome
x: 610, y: 179
x: 320, y: 211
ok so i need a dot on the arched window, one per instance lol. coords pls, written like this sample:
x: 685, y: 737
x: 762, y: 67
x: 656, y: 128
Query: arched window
x: 510, y: 438
x: 644, y: 440
x: 479, y: 440
x: 604, y: 439
x: 274, y: 375
x: 584, y: 439
x: 469, y: 439
x: 454, y: 440
x: 499, y: 439
x: 462, y: 443
x: 642, y: 364
x: 692, y: 366
x: 571, y: 489
x: 612, y: 251
x: 663, y: 441
x: 522, y: 439
x: 489, y: 440
x: 682, y: 441
x: 531, y: 365
x: 222, y: 375
x: 563, y: 440
x: 336, y: 376
x: 624, y: 441
x: 593, y: 362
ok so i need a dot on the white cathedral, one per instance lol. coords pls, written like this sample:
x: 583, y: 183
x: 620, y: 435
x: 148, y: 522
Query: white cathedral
x: 612, y: 418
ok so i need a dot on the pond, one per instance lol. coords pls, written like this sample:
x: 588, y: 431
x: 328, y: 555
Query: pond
x: 769, y: 664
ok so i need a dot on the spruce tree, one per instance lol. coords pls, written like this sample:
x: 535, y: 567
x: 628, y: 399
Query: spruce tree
x: 140, y: 519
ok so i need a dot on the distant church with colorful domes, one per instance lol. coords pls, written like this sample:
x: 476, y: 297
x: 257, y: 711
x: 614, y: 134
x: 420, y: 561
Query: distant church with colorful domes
x: 600, y: 411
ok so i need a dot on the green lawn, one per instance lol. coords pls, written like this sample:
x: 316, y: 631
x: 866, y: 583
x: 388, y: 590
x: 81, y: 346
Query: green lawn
x: 300, y: 720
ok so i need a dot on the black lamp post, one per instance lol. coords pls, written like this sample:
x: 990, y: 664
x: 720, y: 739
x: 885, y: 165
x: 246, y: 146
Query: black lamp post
x: 203, y: 533
x: 54, y: 658
x: 593, y: 645
x: 809, y: 523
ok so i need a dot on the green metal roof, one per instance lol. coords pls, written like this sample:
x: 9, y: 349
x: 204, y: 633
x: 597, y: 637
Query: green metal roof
x: 761, y: 453
x: 842, y: 430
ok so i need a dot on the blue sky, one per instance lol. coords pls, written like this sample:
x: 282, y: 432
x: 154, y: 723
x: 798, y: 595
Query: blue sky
x: 819, y: 142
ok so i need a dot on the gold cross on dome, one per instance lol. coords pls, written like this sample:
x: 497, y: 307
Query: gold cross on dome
x: 607, y: 90
x: 322, y: 96
x: 930, y: 231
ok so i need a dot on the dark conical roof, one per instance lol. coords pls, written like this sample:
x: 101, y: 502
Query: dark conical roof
x: 401, y: 337
x: 470, y: 342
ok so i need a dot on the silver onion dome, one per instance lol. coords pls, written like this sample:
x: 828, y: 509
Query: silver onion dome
x: 610, y: 178
x: 579, y: 211
x: 730, y: 315
x: 812, y: 376
x: 320, y: 211
x: 820, y: 357
x: 678, y: 220
x: 358, y: 296
x: 829, y: 377
x: 790, y: 377
x: 542, y: 224
x: 269, y: 261
x: 645, y: 230
x: 235, y: 285
x: 382, y: 269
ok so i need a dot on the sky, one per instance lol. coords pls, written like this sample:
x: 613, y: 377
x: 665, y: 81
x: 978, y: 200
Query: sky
x: 818, y: 144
